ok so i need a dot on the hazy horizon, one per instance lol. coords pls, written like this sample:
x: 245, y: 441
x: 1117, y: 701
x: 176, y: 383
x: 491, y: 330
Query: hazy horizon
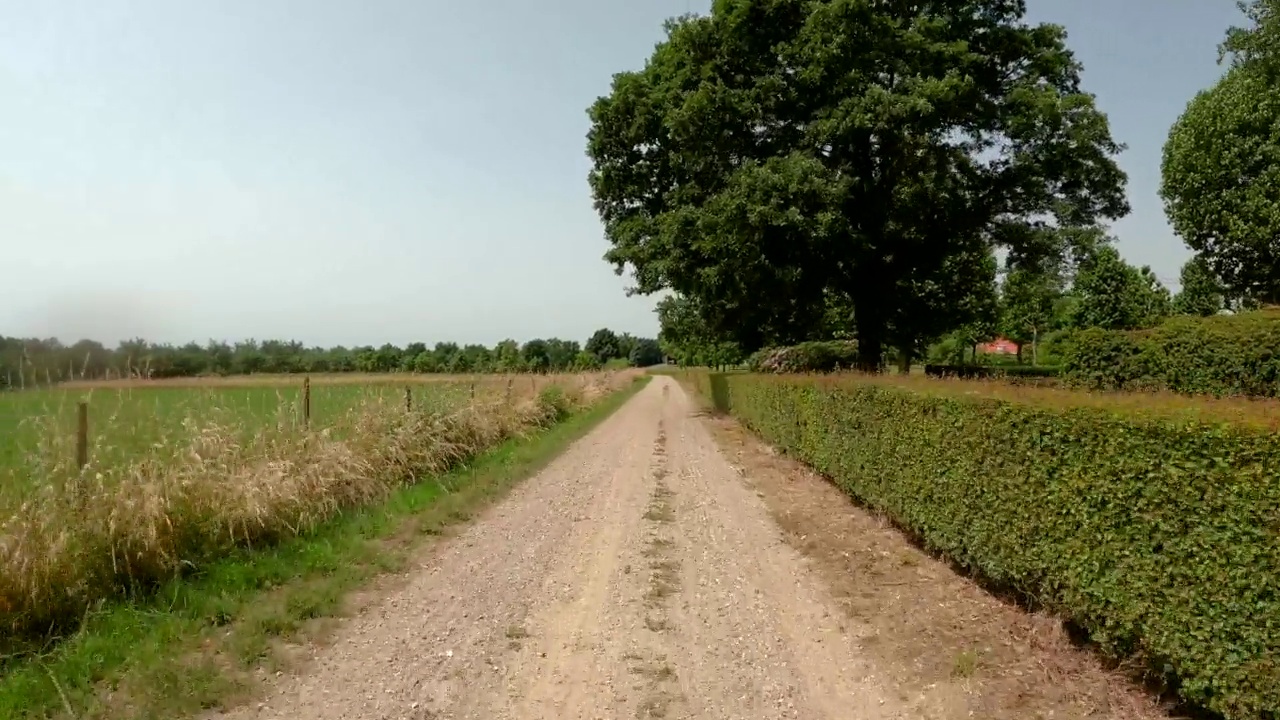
x: 394, y: 171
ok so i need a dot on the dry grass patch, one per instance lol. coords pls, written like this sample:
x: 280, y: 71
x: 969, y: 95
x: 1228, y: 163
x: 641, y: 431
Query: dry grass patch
x: 82, y: 537
x: 208, y: 640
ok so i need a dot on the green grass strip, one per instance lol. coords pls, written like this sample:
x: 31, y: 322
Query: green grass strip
x: 197, y: 643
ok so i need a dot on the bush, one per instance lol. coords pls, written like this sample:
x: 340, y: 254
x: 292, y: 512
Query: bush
x: 959, y: 371
x: 1157, y: 534
x: 1029, y: 371
x: 1218, y: 355
x: 555, y: 403
x: 816, y: 356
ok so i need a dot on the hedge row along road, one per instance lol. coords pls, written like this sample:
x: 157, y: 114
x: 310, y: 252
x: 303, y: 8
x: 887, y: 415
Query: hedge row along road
x: 644, y: 575
x: 1148, y: 521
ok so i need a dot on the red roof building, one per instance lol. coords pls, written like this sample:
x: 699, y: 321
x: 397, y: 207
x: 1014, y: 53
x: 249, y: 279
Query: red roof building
x: 999, y: 346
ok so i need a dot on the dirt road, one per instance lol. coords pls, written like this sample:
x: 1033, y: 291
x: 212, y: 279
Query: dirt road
x: 638, y: 576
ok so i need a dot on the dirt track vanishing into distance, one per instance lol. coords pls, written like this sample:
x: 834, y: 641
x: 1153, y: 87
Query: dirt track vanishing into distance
x: 643, y: 574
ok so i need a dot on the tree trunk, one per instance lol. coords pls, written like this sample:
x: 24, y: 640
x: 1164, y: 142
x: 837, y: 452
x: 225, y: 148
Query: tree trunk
x: 904, y: 360
x: 870, y: 329
x: 1019, y: 353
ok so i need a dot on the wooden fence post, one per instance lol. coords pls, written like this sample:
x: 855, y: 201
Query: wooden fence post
x: 82, y: 434
x: 306, y: 402
x: 473, y: 391
x: 510, y: 382
x: 408, y: 398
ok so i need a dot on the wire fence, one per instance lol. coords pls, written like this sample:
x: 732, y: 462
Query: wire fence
x: 130, y: 418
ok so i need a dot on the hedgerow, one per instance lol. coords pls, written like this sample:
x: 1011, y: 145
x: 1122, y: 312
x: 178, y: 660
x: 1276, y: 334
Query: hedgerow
x: 814, y: 356
x: 1219, y: 355
x: 1157, y: 533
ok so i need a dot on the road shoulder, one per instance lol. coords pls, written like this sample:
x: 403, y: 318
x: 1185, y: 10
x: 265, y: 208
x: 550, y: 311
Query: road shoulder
x: 937, y: 630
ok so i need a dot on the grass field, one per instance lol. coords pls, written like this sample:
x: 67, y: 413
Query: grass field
x: 183, y: 473
x: 202, y: 640
x: 132, y: 420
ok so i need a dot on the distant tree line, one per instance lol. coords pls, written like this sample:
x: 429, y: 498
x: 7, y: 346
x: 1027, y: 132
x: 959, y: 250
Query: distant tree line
x: 28, y: 362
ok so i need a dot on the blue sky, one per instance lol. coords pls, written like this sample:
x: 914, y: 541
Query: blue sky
x: 392, y: 170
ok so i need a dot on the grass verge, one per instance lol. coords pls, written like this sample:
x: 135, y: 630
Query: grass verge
x: 201, y: 641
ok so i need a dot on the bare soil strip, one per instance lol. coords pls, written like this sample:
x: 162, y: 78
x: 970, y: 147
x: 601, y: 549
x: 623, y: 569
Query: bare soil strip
x: 642, y: 575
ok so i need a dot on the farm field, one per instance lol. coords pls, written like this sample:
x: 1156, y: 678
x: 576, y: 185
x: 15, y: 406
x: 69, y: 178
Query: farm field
x: 129, y: 420
x: 180, y: 474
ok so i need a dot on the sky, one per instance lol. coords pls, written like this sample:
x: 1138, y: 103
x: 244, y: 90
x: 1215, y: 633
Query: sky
x: 352, y: 173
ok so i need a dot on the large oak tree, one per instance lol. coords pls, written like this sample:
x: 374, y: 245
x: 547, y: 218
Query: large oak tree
x: 1221, y: 164
x: 777, y: 153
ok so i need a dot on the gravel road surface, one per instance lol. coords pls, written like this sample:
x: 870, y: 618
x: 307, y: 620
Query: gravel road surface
x: 637, y: 576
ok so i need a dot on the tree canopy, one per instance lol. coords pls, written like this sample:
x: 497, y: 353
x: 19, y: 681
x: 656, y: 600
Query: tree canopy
x: 1027, y: 300
x: 777, y: 158
x: 1220, y: 172
x: 604, y: 345
x: 1201, y: 293
x: 1221, y: 164
x: 684, y: 335
x: 1114, y: 295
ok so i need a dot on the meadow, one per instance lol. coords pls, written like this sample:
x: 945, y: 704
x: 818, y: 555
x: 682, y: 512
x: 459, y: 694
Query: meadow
x: 129, y: 420
x: 184, y: 472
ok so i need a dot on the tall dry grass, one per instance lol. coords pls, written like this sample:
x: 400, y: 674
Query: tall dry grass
x: 80, y: 538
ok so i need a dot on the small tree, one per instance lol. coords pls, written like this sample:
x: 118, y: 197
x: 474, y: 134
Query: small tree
x: 536, y: 356
x: 646, y: 353
x: 1026, y: 308
x: 1201, y: 293
x: 1113, y: 295
x: 587, y: 361
x: 604, y: 345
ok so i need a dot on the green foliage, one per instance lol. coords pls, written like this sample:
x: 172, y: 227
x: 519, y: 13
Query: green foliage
x: 555, y: 403
x: 1158, y: 537
x: 536, y: 356
x: 32, y: 362
x: 1026, y: 306
x: 1201, y: 293
x: 685, y: 335
x: 1256, y: 46
x: 1114, y: 295
x: 774, y: 160
x: 604, y: 345
x: 817, y: 356
x: 646, y: 353
x: 587, y: 361
x: 1220, y: 170
x: 1219, y: 355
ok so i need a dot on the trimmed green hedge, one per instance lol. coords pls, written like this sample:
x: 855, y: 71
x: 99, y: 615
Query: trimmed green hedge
x: 1220, y: 355
x: 1160, y: 537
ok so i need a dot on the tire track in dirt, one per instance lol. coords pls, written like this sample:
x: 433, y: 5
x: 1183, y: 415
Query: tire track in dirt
x: 758, y: 639
x: 601, y: 655
x: 660, y: 691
